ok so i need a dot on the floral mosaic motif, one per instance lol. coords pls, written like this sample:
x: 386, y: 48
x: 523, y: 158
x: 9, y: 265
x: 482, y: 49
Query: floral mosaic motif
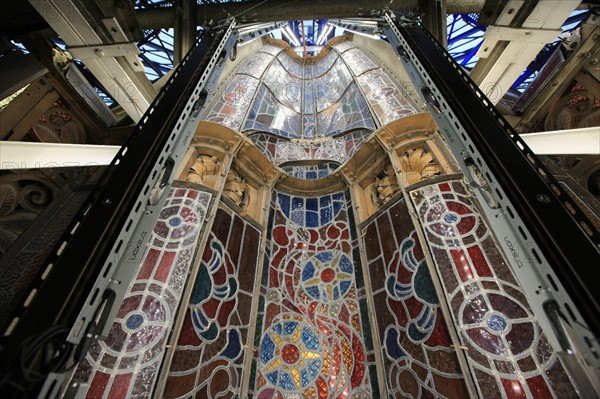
x: 418, y: 359
x: 508, y: 352
x: 408, y: 281
x: 210, y: 354
x: 126, y: 363
x: 314, y: 342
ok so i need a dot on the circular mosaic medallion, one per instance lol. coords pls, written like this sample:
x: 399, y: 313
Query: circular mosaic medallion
x: 291, y: 353
x: 327, y: 276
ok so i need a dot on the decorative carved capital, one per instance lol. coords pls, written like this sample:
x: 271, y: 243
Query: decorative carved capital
x: 235, y: 189
x: 416, y: 165
x: 205, y: 170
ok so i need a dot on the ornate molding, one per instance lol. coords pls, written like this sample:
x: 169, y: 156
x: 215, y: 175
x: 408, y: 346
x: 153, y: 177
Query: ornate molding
x: 416, y: 165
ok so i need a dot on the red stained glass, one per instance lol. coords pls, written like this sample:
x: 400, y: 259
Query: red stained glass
x: 164, y: 267
x: 461, y: 262
x: 479, y: 262
x: 514, y: 389
x: 538, y: 387
x: 120, y: 386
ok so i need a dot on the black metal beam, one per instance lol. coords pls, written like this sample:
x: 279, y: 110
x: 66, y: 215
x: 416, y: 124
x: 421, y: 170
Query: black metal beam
x: 286, y: 10
x: 539, y: 200
x: 61, y: 296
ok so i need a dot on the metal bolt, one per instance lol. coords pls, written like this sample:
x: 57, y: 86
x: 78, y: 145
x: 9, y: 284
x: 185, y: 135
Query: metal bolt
x: 100, y: 52
x: 543, y: 198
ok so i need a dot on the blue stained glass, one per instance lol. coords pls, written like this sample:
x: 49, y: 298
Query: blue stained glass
x: 312, y: 204
x: 286, y: 381
x: 308, y: 272
x: 305, y: 380
x: 345, y: 264
x: 497, y: 323
x: 336, y: 293
x: 337, y: 206
x: 234, y: 345
x: 325, y: 215
x: 338, y: 196
x: 313, y: 292
x: 325, y: 257
x: 277, y: 328
x: 134, y: 321
x: 297, y: 203
x: 267, y: 349
x: 325, y: 201
x: 391, y: 344
x: 313, y: 367
x: 284, y: 203
x: 312, y: 219
x: 310, y: 339
x: 272, y: 377
x: 344, y: 286
x: 289, y: 327
x: 298, y: 217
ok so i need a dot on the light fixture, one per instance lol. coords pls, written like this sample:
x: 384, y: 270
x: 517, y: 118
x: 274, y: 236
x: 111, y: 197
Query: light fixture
x: 364, y: 34
x: 324, y: 34
x: 287, y: 31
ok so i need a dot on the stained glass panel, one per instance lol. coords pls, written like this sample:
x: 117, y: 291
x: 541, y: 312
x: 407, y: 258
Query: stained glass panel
x: 330, y: 86
x: 340, y: 149
x: 418, y: 360
x: 358, y: 62
x: 210, y: 355
x: 293, y: 67
x: 345, y: 46
x: 311, y: 172
x: 230, y: 109
x: 256, y: 64
x: 508, y: 352
x: 319, y: 68
x: 126, y: 363
x: 267, y: 114
x: 313, y: 341
x: 285, y: 87
x: 351, y: 112
x: 386, y: 98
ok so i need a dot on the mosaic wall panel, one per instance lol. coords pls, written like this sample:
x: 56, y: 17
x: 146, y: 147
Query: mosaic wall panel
x: 126, y: 363
x: 313, y: 331
x: 508, y: 352
x: 209, y: 359
x: 351, y: 112
x: 418, y: 360
x: 339, y: 149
